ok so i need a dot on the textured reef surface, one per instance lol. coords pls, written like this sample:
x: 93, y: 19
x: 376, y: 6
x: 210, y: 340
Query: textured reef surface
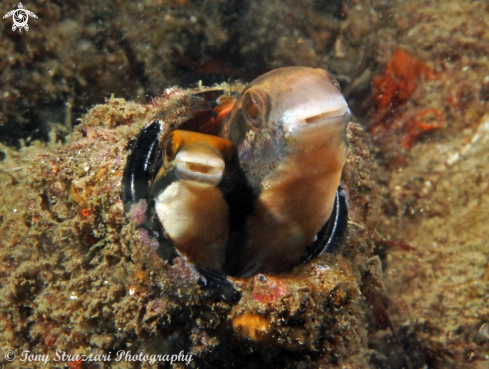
x: 433, y: 155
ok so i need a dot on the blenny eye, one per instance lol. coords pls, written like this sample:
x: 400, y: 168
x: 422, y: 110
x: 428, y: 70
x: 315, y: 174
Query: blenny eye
x: 252, y: 109
x: 336, y: 84
x: 256, y: 106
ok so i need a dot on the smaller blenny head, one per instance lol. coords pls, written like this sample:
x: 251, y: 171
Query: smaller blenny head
x: 289, y: 130
x: 188, y: 201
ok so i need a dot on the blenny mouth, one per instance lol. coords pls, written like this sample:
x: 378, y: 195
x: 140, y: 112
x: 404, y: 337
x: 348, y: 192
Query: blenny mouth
x: 330, y: 116
x: 306, y: 121
x: 199, y: 163
x: 320, y: 128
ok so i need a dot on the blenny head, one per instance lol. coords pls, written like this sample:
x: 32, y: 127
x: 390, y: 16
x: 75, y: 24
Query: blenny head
x: 285, y: 111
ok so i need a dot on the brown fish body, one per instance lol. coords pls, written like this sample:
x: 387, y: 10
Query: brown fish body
x: 289, y: 130
x: 188, y: 202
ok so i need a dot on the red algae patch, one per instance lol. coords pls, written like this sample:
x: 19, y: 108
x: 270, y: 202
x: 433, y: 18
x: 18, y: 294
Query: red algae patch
x: 397, y: 83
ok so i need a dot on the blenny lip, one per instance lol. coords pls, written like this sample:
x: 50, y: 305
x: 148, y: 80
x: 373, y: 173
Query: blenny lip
x: 199, y: 163
x: 313, y: 129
